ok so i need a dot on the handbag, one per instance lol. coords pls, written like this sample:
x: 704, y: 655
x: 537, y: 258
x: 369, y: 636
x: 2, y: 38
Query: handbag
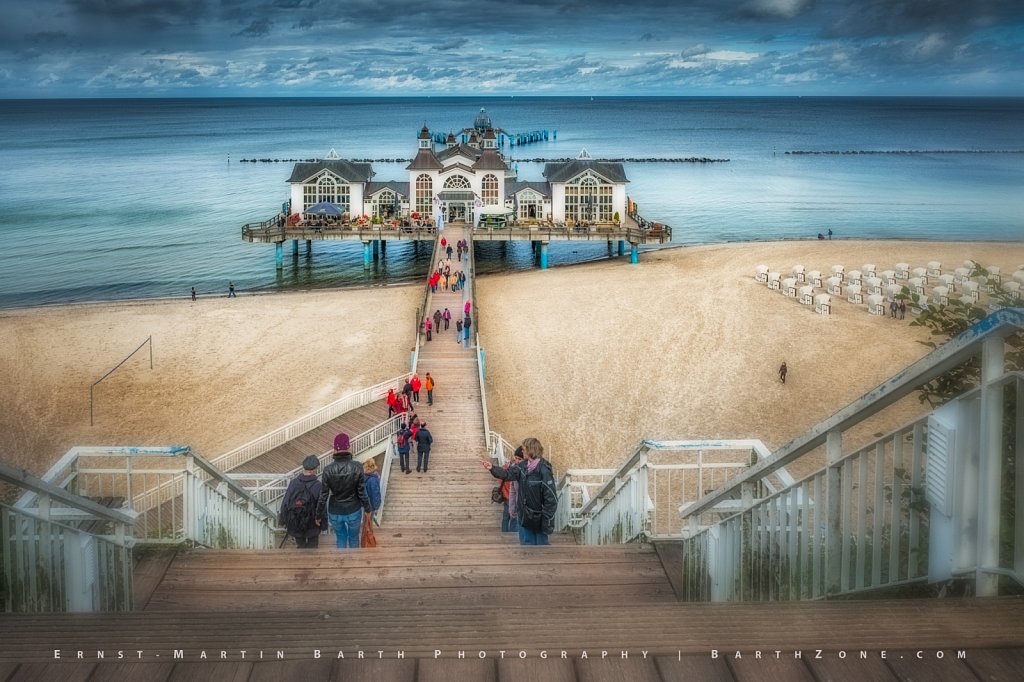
x: 496, y: 496
x: 367, y: 538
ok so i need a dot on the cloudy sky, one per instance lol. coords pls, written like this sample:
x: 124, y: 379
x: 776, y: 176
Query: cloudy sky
x: 196, y: 48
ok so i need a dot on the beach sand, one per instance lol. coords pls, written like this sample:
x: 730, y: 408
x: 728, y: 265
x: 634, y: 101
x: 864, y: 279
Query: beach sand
x: 590, y: 358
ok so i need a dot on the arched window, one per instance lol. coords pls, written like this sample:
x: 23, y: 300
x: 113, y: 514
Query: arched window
x: 424, y: 195
x: 457, y: 182
x: 326, y: 188
x: 589, y: 198
x: 489, y: 190
x: 384, y: 204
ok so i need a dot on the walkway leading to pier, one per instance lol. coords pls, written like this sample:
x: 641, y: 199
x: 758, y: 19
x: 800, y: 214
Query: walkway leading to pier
x: 455, y: 491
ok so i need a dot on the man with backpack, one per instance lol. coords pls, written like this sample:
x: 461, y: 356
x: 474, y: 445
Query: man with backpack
x: 403, y: 442
x: 298, y: 508
x: 537, y: 499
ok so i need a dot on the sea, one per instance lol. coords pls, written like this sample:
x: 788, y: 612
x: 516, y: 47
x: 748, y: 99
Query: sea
x: 112, y: 199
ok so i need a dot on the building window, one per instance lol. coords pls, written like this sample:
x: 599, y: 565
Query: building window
x: 489, y: 190
x: 457, y: 182
x: 589, y: 198
x: 328, y: 189
x: 424, y: 195
x: 529, y: 205
x: 384, y: 204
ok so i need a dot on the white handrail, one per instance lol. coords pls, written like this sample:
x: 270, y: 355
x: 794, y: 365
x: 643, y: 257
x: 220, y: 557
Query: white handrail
x: 253, y: 449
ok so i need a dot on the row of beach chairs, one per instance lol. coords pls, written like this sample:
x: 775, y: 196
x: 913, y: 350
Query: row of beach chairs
x: 878, y: 288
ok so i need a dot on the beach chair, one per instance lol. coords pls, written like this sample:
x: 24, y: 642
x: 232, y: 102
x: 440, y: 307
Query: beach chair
x: 839, y: 271
x: 761, y: 274
x: 948, y: 281
x: 873, y: 285
x: 807, y: 295
x: 854, y: 277
x: 1018, y: 276
x: 834, y: 285
x: 798, y: 273
x: 919, y: 305
x: 773, y: 280
x: 1012, y: 290
x: 934, y: 268
x: 823, y: 304
x: 920, y: 272
x: 789, y: 287
x: 970, y: 264
x: 853, y: 294
x: 814, y: 278
x: 994, y: 274
x: 888, y: 276
x: 902, y: 271
x: 892, y: 290
x: 941, y: 295
x: 916, y: 285
x: 962, y: 275
x: 971, y: 291
x: 876, y: 304
x: 868, y: 270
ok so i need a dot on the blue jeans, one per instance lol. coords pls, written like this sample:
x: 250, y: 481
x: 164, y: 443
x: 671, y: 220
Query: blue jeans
x: 529, y: 537
x: 508, y: 524
x: 346, y: 528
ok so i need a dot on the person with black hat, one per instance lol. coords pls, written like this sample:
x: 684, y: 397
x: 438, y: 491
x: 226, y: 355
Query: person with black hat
x: 298, y: 508
x: 343, y: 495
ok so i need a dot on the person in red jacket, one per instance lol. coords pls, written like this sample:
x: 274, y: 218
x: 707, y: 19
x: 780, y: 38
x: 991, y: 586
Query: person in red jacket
x: 392, y: 403
x: 416, y: 385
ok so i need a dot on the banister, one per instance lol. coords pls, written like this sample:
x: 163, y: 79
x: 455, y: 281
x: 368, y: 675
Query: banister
x: 1003, y: 322
x: 25, y: 480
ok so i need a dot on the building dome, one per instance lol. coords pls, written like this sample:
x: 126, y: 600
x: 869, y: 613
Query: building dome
x: 483, y: 121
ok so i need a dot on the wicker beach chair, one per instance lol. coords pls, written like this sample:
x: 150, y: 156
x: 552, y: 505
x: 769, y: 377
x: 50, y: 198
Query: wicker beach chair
x: 902, y: 271
x: 888, y: 276
x: 761, y: 274
x: 855, y: 277
x: 963, y: 275
x: 789, y: 287
x: 971, y: 291
x: 916, y: 285
x: 806, y: 295
x: 873, y: 286
x: 834, y: 286
x: 934, y: 268
x: 799, y: 274
x: 948, y: 281
x: 814, y: 278
x: 941, y: 295
x: 853, y: 294
x: 892, y: 291
x: 868, y: 270
x: 1018, y: 276
x: 994, y: 274
x: 1012, y: 289
x: 876, y: 304
x: 840, y: 272
x: 823, y: 304
x: 774, y: 279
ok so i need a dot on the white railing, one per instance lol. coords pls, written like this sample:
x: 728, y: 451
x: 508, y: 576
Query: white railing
x: 82, y: 564
x: 498, y: 448
x: 639, y: 499
x: 390, y: 453
x: 932, y: 501
x: 264, y: 444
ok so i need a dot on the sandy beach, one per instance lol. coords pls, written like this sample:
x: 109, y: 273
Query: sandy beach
x: 590, y: 358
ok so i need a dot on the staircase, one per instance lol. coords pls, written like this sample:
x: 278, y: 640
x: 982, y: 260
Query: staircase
x: 456, y: 490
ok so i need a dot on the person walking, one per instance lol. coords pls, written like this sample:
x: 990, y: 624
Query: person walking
x: 447, y: 317
x: 537, y: 499
x: 428, y: 325
x: 783, y: 371
x: 372, y: 484
x: 403, y: 442
x: 893, y: 307
x: 416, y: 385
x: 465, y: 309
x: 343, y: 495
x: 458, y: 331
x: 466, y: 324
x: 449, y: 251
x: 231, y: 290
x: 428, y: 383
x: 437, y: 320
x: 407, y: 392
x: 392, y: 401
x: 193, y: 293
x: 424, y: 440
x: 298, y: 508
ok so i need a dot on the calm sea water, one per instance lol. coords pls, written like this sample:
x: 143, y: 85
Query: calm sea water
x: 109, y: 199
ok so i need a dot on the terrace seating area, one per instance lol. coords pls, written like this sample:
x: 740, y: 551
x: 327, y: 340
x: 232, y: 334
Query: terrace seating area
x: 874, y: 291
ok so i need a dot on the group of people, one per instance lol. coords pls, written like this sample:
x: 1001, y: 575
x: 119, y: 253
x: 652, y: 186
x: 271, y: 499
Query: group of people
x: 440, y: 321
x: 412, y: 430
x: 409, y: 396
x: 344, y: 498
x: 897, y: 308
x: 528, y: 493
x: 444, y: 277
x: 461, y: 246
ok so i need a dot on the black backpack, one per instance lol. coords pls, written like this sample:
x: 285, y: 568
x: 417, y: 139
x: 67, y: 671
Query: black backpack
x: 300, y: 514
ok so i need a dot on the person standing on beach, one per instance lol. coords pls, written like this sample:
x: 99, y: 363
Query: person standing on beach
x: 893, y: 307
x: 437, y: 320
x: 537, y: 499
x: 193, y: 293
x: 298, y: 507
x: 447, y: 317
x: 424, y: 440
x: 903, y: 309
x: 783, y: 371
x: 231, y: 290
x: 343, y: 495
x: 428, y: 384
x: 830, y: 234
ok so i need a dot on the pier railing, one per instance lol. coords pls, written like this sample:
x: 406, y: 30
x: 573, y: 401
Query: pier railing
x: 68, y: 553
x: 661, y: 234
x: 263, y: 444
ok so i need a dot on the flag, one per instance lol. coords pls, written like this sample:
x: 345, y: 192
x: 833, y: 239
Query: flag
x: 477, y: 202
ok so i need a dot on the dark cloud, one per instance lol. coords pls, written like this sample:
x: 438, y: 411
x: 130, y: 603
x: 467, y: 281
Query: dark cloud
x: 647, y: 37
x: 872, y: 18
x: 453, y: 44
x: 773, y: 9
x: 257, y: 28
x: 153, y: 14
x: 44, y: 37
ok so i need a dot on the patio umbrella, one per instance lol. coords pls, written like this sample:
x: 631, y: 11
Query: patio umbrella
x: 324, y: 208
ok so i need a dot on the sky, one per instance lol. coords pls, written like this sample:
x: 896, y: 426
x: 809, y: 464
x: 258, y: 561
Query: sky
x: 260, y: 48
